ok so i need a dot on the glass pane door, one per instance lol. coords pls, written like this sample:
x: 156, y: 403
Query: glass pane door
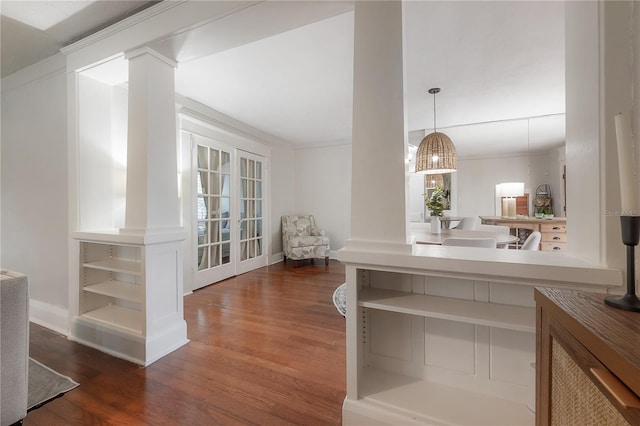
x: 213, y: 212
x: 251, y: 247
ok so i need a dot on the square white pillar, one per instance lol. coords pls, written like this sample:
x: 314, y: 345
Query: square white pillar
x: 152, y: 183
x: 379, y: 180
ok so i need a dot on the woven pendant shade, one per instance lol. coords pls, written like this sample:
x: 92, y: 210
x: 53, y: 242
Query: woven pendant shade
x: 436, y: 154
x: 433, y: 181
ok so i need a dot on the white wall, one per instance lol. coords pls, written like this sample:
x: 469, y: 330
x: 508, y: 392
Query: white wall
x: 34, y: 188
x: 95, y: 175
x: 102, y: 154
x: 282, y: 195
x: 477, y: 179
x: 323, y: 188
x: 119, y: 120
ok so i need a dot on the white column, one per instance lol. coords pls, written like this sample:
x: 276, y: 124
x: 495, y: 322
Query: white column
x: 152, y: 183
x: 379, y: 178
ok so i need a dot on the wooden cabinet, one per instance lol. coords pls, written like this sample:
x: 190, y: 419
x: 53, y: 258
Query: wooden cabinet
x: 554, y: 236
x: 588, y: 360
x: 554, y: 231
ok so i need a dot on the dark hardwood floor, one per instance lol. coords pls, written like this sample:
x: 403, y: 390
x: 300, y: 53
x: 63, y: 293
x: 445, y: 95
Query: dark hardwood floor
x: 266, y: 348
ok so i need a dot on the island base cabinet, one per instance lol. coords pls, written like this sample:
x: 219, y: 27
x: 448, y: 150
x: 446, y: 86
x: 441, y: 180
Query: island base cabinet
x: 425, y: 346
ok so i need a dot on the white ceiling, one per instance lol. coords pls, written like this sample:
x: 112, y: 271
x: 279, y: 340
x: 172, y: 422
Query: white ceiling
x: 498, y: 64
x: 34, y: 30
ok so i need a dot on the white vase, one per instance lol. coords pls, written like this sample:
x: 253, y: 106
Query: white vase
x: 435, y: 224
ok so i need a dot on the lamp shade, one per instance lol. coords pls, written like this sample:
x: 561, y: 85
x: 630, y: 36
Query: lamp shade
x: 436, y: 154
x: 512, y: 189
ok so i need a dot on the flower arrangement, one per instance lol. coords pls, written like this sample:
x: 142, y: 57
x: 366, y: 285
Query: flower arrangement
x: 437, y: 201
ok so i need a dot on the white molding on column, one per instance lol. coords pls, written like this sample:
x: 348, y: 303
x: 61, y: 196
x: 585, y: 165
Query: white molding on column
x: 146, y: 50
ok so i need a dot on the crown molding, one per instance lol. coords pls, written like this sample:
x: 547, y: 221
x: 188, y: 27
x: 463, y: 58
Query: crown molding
x: 149, y: 51
x: 222, y: 122
x: 119, y: 26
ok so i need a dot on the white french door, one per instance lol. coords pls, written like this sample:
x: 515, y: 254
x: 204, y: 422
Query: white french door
x: 251, y: 212
x: 227, y: 211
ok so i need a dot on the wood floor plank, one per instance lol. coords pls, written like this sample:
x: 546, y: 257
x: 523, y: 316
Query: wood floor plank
x: 266, y: 348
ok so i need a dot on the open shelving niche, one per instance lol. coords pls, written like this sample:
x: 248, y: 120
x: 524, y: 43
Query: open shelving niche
x: 128, y: 301
x: 112, y: 285
x: 392, y: 391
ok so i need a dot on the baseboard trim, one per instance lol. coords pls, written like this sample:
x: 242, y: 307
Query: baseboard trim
x: 49, y: 316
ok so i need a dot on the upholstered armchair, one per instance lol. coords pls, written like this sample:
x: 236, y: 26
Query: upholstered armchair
x: 302, y: 239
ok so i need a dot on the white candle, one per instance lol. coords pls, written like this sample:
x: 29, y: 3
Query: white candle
x: 511, y: 208
x: 628, y: 187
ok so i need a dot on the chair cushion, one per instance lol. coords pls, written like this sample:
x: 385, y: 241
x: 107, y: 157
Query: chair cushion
x: 310, y: 240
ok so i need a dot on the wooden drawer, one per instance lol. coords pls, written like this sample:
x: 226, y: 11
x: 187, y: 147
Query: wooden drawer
x: 553, y: 227
x: 553, y: 246
x: 554, y: 237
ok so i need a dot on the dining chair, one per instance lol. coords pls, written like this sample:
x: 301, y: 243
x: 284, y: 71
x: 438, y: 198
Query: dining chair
x: 532, y: 242
x: 496, y: 229
x: 469, y: 223
x: 470, y: 242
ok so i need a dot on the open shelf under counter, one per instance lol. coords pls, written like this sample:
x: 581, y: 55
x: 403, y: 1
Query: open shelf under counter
x: 509, y: 317
x: 118, y: 289
x: 116, y: 265
x: 117, y: 316
x: 424, y: 402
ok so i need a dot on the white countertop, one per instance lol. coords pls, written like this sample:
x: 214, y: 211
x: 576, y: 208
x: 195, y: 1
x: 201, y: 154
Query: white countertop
x: 514, y: 266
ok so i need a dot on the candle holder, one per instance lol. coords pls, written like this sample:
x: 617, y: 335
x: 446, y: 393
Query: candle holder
x: 630, y: 227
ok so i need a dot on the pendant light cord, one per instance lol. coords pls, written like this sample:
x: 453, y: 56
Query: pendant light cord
x: 435, y: 129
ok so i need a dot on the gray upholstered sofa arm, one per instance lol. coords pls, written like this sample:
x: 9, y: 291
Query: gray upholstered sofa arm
x: 14, y: 347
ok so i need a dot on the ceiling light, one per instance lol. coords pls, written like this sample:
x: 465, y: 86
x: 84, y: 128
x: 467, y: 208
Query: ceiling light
x: 436, y: 153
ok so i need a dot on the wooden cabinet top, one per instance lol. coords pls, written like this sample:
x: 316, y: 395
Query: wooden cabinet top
x: 522, y: 219
x: 611, y: 334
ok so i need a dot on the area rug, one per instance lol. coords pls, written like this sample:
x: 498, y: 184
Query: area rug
x: 45, y: 385
x: 340, y: 299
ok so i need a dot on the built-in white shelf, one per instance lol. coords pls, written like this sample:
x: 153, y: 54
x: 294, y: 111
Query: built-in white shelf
x: 427, y: 402
x: 116, y: 265
x: 117, y: 316
x: 468, y: 311
x: 118, y: 289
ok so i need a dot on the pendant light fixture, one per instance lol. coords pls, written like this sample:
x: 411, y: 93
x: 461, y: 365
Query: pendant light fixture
x: 433, y: 181
x: 436, y: 153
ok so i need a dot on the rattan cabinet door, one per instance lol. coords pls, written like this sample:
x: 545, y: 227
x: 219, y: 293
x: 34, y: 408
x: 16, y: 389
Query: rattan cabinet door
x: 575, y: 399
